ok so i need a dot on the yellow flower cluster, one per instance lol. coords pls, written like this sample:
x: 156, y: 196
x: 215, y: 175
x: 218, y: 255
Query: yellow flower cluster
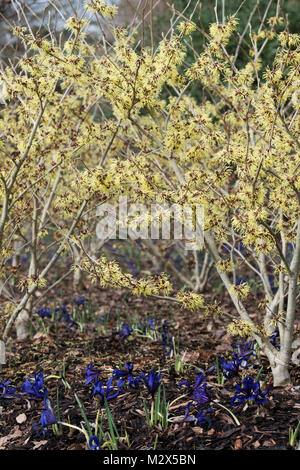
x: 82, y: 128
x: 241, y: 290
x: 186, y: 27
x: 241, y: 328
x: 101, y: 7
x: 109, y: 274
x: 191, y: 300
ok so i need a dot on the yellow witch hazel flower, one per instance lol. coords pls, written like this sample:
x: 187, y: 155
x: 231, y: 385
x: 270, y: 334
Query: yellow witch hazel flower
x: 191, y: 300
x: 241, y: 290
x: 241, y: 328
x: 186, y: 28
x: 225, y: 265
x: 101, y: 7
x: 75, y: 24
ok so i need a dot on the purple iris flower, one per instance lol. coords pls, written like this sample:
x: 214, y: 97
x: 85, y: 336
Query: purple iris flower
x: 125, y: 331
x: 79, y: 301
x: 94, y: 443
x: 250, y: 390
x: 44, y: 312
x: 199, y: 418
x: 65, y: 316
x: 6, y: 391
x: 152, y: 323
x: 126, y: 375
x: 167, y: 339
x: 198, y: 391
x: 244, y: 352
x: 230, y: 368
x: 152, y: 381
x: 91, y: 374
x: 239, y: 281
x: 106, y: 392
x: 34, y: 386
x: 46, y: 420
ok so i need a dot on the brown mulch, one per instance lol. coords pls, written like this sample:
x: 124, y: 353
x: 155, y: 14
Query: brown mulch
x: 201, y: 341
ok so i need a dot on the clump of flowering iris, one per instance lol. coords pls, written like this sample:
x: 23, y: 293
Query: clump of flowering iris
x: 230, y: 368
x: 91, y: 374
x: 152, y: 381
x: 105, y: 392
x: 46, y: 420
x: 34, y: 386
x: 167, y: 339
x: 44, y: 312
x: 249, y: 391
x: 197, y: 392
x: 94, y: 443
x: 126, y: 374
x: 244, y: 351
x: 65, y: 317
x: 125, y: 331
x: 79, y: 301
x: 152, y: 323
x: 200, y: 418
x: 6, y: 391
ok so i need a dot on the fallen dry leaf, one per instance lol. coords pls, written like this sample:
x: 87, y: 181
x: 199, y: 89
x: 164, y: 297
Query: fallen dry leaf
x: 237, y: 444
x: 197, y: 430
x: 38, y: 444
x: 269, y: 443
x: 14, y: 435
x: 192, y: 356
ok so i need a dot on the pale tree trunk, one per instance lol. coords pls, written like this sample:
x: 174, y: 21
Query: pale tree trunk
x: 17, y: 252
x: 279, y: 360
x: 31, y: 290
x: 280, y: 370
x: 77, y: 272
x: 22, y: 324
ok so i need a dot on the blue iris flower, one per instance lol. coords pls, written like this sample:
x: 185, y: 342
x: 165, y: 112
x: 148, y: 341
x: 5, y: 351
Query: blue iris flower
x: 65, y: 316
x: 167, y: 339
x: 239, y: 282
x: 94, y: 443
x: 6, y: 391
x: 124, y: 375
x: 230, y: 368
x: 198, y: 391
x: 34, y: 386
x: 79, y: 301
x: 245, y: 351
x: 242, y: 354
x: 46, y: 420
x: 106, y: 392
x: 44, y: 312
x: 152, y: 381
x: 125, y: 331
x: 91, y: 374
x: 250, y: 390
x: 152, y: 323
x: 167, y: 342
x: 199, y: 418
